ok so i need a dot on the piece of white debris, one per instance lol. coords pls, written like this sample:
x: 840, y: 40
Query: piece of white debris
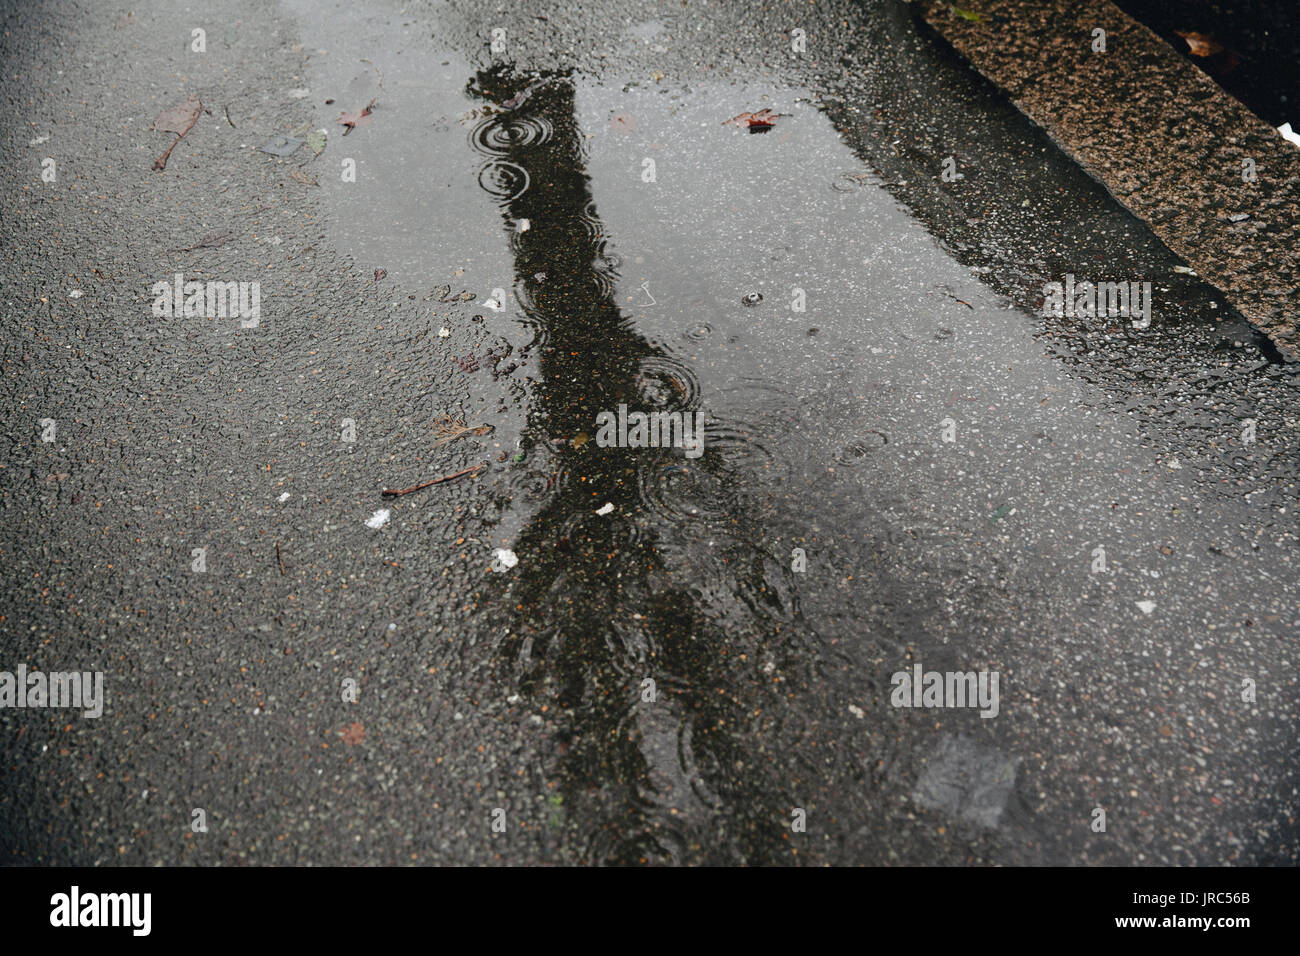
x: 379, y: 518
x: 524, y: 225
x: 75, y: 294
x: 444, y: 332
x: 857, y: 711
x: 504, y: 559
x: 1288, y: 134
x: 1146, y: 606
x: 1184, y: 270
x: 40, y: 139
x: 284, y: 497
x: 494, y: 305
x: 300, y: 94
x: 605, y: 509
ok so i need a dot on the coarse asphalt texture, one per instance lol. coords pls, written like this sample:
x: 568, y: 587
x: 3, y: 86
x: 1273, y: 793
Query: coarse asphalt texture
x: 917, y: 467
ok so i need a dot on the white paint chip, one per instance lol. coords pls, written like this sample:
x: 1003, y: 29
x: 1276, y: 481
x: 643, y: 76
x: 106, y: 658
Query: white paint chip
x: 605, y: 509
x: 1289, y: 134
x: 379, y: 518
x: 1146, y: 606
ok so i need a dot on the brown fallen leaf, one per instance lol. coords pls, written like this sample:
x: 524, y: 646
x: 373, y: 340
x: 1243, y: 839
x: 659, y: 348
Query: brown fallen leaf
x: 353, y: 734
x: 357, y: 117
x: 380, y: 274
x: 1200, y: 44
x: 179, y: 120
x: 449, y: 429
x: 303, y: 178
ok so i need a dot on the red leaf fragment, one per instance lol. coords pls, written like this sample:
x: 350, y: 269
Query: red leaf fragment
x: 762, y: 120
x: 357, y: 117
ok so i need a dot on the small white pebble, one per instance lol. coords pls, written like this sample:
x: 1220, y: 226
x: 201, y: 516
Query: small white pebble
x: 1147, y: 606
x: 605, y: 509
x: 284, y: 497
x: 444, y: 332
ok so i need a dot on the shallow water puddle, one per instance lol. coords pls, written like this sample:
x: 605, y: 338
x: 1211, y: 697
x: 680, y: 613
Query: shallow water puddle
x: 653, y: 258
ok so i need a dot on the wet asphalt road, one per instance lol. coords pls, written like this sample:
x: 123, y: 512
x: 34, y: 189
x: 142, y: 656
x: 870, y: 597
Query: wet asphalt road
x: 523, y: 690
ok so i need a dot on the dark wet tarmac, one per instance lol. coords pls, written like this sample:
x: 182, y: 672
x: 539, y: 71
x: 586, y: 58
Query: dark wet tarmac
x: 903, y: 462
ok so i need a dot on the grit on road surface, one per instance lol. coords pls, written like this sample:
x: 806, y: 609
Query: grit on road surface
x: 540, y: 233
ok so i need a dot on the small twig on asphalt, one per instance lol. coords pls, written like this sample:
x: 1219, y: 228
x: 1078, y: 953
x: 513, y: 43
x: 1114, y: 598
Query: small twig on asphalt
x: 161, y: 162
x: 229, y: 120
x: 394, y: 492
x: 211, y: 241
x: 279, y: 559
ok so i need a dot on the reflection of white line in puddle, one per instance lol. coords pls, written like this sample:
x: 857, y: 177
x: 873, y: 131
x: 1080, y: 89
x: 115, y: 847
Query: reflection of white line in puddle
x: 505, y: 195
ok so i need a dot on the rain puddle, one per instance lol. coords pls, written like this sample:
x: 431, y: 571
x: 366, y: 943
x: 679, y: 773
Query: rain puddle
x: 695, y: 627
